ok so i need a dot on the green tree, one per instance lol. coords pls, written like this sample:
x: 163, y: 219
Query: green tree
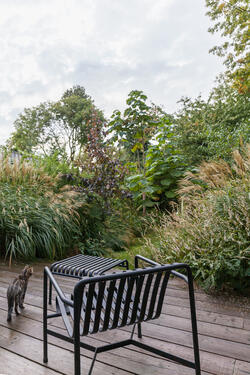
x: 133, y: 132
x: 146, y: 133
x: 60, y: 126
x: 210, y: 129
x: 164, y: 166
x: 232, y: 21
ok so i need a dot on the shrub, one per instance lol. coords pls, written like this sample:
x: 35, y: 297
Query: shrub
x: 102, y: 229
x: 210, y: 229
x: 211, y: 129
x: 52, y: 164
x: 34, y: 220
x: 41, y: 226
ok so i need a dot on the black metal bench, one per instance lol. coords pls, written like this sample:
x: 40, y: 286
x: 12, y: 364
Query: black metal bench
x: 79, y: 266
x: 105, y: 302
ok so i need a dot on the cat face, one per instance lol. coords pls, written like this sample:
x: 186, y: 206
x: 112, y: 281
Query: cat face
x: 27, y: 271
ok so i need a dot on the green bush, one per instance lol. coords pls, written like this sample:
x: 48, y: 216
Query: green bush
x: 53, y: 165
x: 210, y: 230
x: 211, y: 129
x: 35, y: 226
x: 35, y: 221
x: 103, y: 229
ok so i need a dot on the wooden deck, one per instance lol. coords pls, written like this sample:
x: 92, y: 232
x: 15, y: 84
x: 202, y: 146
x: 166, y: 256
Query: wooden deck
x: 223, y: 325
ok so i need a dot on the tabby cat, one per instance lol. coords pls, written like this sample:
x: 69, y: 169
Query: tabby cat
x: 16, y: 291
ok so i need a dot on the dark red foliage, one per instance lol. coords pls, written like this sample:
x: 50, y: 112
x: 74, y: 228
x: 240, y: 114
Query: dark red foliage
x: 107, y: 172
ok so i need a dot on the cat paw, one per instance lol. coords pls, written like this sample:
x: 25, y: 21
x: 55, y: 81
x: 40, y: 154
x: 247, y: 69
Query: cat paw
x: 9, y: 319
x: 22, y: 307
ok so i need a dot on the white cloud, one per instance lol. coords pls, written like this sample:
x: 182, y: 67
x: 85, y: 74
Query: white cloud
x: 109, y: 47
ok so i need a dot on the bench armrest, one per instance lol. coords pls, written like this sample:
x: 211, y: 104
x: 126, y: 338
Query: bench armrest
x: 153, y: 263
x: 180, y: 275
x: 61, y: 295
x: 144, y: 259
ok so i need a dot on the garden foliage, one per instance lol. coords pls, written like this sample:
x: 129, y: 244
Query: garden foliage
x: 143, y: 135
x: 231, y: 20
x: 35, y: 221
x: 211, y: 129
x: 48, y: 216
x: 210, y: 228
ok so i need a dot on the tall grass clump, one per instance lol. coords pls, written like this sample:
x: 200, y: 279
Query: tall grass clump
x: 210, y: 228
x: 35, y: 220
x: 26, y: 175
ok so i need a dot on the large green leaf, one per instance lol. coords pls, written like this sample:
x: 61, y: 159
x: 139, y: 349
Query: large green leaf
x: 170, y: 194
x: 135, y: 177
x: 166, y: 182
x: 148, y: 203
x: 176, y: 173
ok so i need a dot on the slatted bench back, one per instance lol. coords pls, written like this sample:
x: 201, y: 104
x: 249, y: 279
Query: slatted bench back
x: 111, y: 301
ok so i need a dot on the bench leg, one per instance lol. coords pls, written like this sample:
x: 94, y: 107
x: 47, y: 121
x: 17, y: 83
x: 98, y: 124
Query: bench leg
x: 45, y: 307
x: 139, y: 331
x: 77, y: 357
x: 194, y: 324
x: 50, y: 291
x: 92, y: 363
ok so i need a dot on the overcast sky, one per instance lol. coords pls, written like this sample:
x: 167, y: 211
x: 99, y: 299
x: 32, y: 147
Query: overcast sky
x: 108, y: 46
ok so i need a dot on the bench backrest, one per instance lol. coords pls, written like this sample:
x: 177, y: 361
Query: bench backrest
x: 120, y: 299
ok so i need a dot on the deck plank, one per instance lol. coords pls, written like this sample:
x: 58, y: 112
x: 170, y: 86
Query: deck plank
x: 60, y: 359
x: 246, y: 324
x: 12, y: 363
x: 242, y: 368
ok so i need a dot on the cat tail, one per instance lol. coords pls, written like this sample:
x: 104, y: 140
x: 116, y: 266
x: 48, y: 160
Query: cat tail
x: 10, y: 305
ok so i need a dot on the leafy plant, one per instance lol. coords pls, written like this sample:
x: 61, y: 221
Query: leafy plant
x: 210, y: 229
x: 106, y: 171
x: 164, y: 166
x: 52, y: 164
x: 133, y: 132
x: 102, y: 230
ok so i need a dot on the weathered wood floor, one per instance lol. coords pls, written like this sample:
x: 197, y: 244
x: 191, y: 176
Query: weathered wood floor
x: 223, y: 325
